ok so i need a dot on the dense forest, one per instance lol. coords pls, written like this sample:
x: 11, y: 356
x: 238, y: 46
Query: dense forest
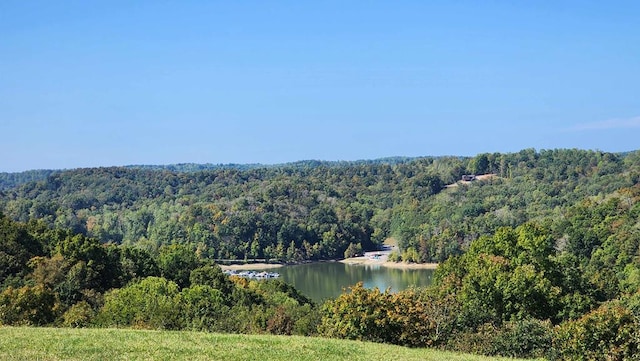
x: 540, y: 258
x: 10, y: 180
x: 316, y: 210
x: 56, y: 277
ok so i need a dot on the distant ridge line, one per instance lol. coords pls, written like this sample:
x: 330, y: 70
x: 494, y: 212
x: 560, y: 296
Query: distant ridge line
x: 12, y: 179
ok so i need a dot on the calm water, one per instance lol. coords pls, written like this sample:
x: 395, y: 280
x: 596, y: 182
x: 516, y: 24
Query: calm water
x: 320, y: 281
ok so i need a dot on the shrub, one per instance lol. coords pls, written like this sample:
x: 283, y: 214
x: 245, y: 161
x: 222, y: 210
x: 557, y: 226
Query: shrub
x: 524, y: 338
x: 150, y: 303
x: 413, y: 317
x: 203, y: 307
x: 394, y: 257
x: 33, y: 306
x: 78, y: 315
x: 609, y: 332
x: 423, y: 317
x: 281, y: 323
x: 479, y: 341
x: 360, y: 314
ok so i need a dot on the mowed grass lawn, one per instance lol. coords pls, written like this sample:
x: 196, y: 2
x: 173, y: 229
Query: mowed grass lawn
x: 26, y: 343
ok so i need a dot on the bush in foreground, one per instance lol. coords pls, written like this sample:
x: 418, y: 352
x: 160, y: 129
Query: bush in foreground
x: 610, y: 332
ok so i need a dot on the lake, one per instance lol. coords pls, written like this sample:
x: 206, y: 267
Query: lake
x: 320, y: 281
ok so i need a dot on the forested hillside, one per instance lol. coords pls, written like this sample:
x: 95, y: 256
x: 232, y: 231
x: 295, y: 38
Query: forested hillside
x: 56, y: 277
x: 540, y: 258
x: 566, y: 288
x: 10, y: 180
x: 316, y: 210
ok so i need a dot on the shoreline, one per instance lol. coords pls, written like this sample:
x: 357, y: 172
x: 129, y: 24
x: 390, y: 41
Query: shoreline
x: 355, y: 261
x: 250, y: 266
x: 366, y: 261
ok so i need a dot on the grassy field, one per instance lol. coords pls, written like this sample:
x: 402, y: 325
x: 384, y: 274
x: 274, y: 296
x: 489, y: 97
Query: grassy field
x: 24, y: 343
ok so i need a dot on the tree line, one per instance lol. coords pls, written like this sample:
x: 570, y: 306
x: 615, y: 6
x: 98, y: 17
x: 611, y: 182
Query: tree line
x: 563, y: 288
x: 53, y: 277
x: 539, y: 259
x: 320, y: 210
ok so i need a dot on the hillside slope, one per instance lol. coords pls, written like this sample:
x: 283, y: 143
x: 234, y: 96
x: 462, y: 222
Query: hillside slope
x: 318, y: 210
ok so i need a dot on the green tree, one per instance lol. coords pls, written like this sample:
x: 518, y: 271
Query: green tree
x: 607, y: 333
x: 212, y: 276
x: 511, y: 275
x: 424, y: 317
x: 153, y: 302
x: 354, y: 250
x: 137, y: 263
x: 17, y: 246
x: 479, y: 164
x: 101, y: 267
x: 203, y: 308
x: 79, y: 315
x: 176, y: 263
x: 31, y: 306
x: 360, y: 314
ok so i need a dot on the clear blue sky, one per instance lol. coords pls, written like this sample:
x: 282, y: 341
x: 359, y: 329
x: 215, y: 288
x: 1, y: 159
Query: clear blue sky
x: 100, y: 83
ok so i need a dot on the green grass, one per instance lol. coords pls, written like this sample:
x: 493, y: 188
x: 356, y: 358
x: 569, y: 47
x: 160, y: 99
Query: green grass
x: 25, y: 343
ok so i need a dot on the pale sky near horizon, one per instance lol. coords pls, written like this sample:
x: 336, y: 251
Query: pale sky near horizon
x: 101, y: 83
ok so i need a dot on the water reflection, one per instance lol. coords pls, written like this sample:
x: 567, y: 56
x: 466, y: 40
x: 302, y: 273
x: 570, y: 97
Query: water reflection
x: 320, y: 281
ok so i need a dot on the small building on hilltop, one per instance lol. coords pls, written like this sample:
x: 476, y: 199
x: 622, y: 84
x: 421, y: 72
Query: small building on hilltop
x: 468, y: 177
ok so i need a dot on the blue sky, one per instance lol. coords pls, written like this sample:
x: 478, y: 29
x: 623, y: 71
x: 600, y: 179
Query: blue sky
x: 100, y: 83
